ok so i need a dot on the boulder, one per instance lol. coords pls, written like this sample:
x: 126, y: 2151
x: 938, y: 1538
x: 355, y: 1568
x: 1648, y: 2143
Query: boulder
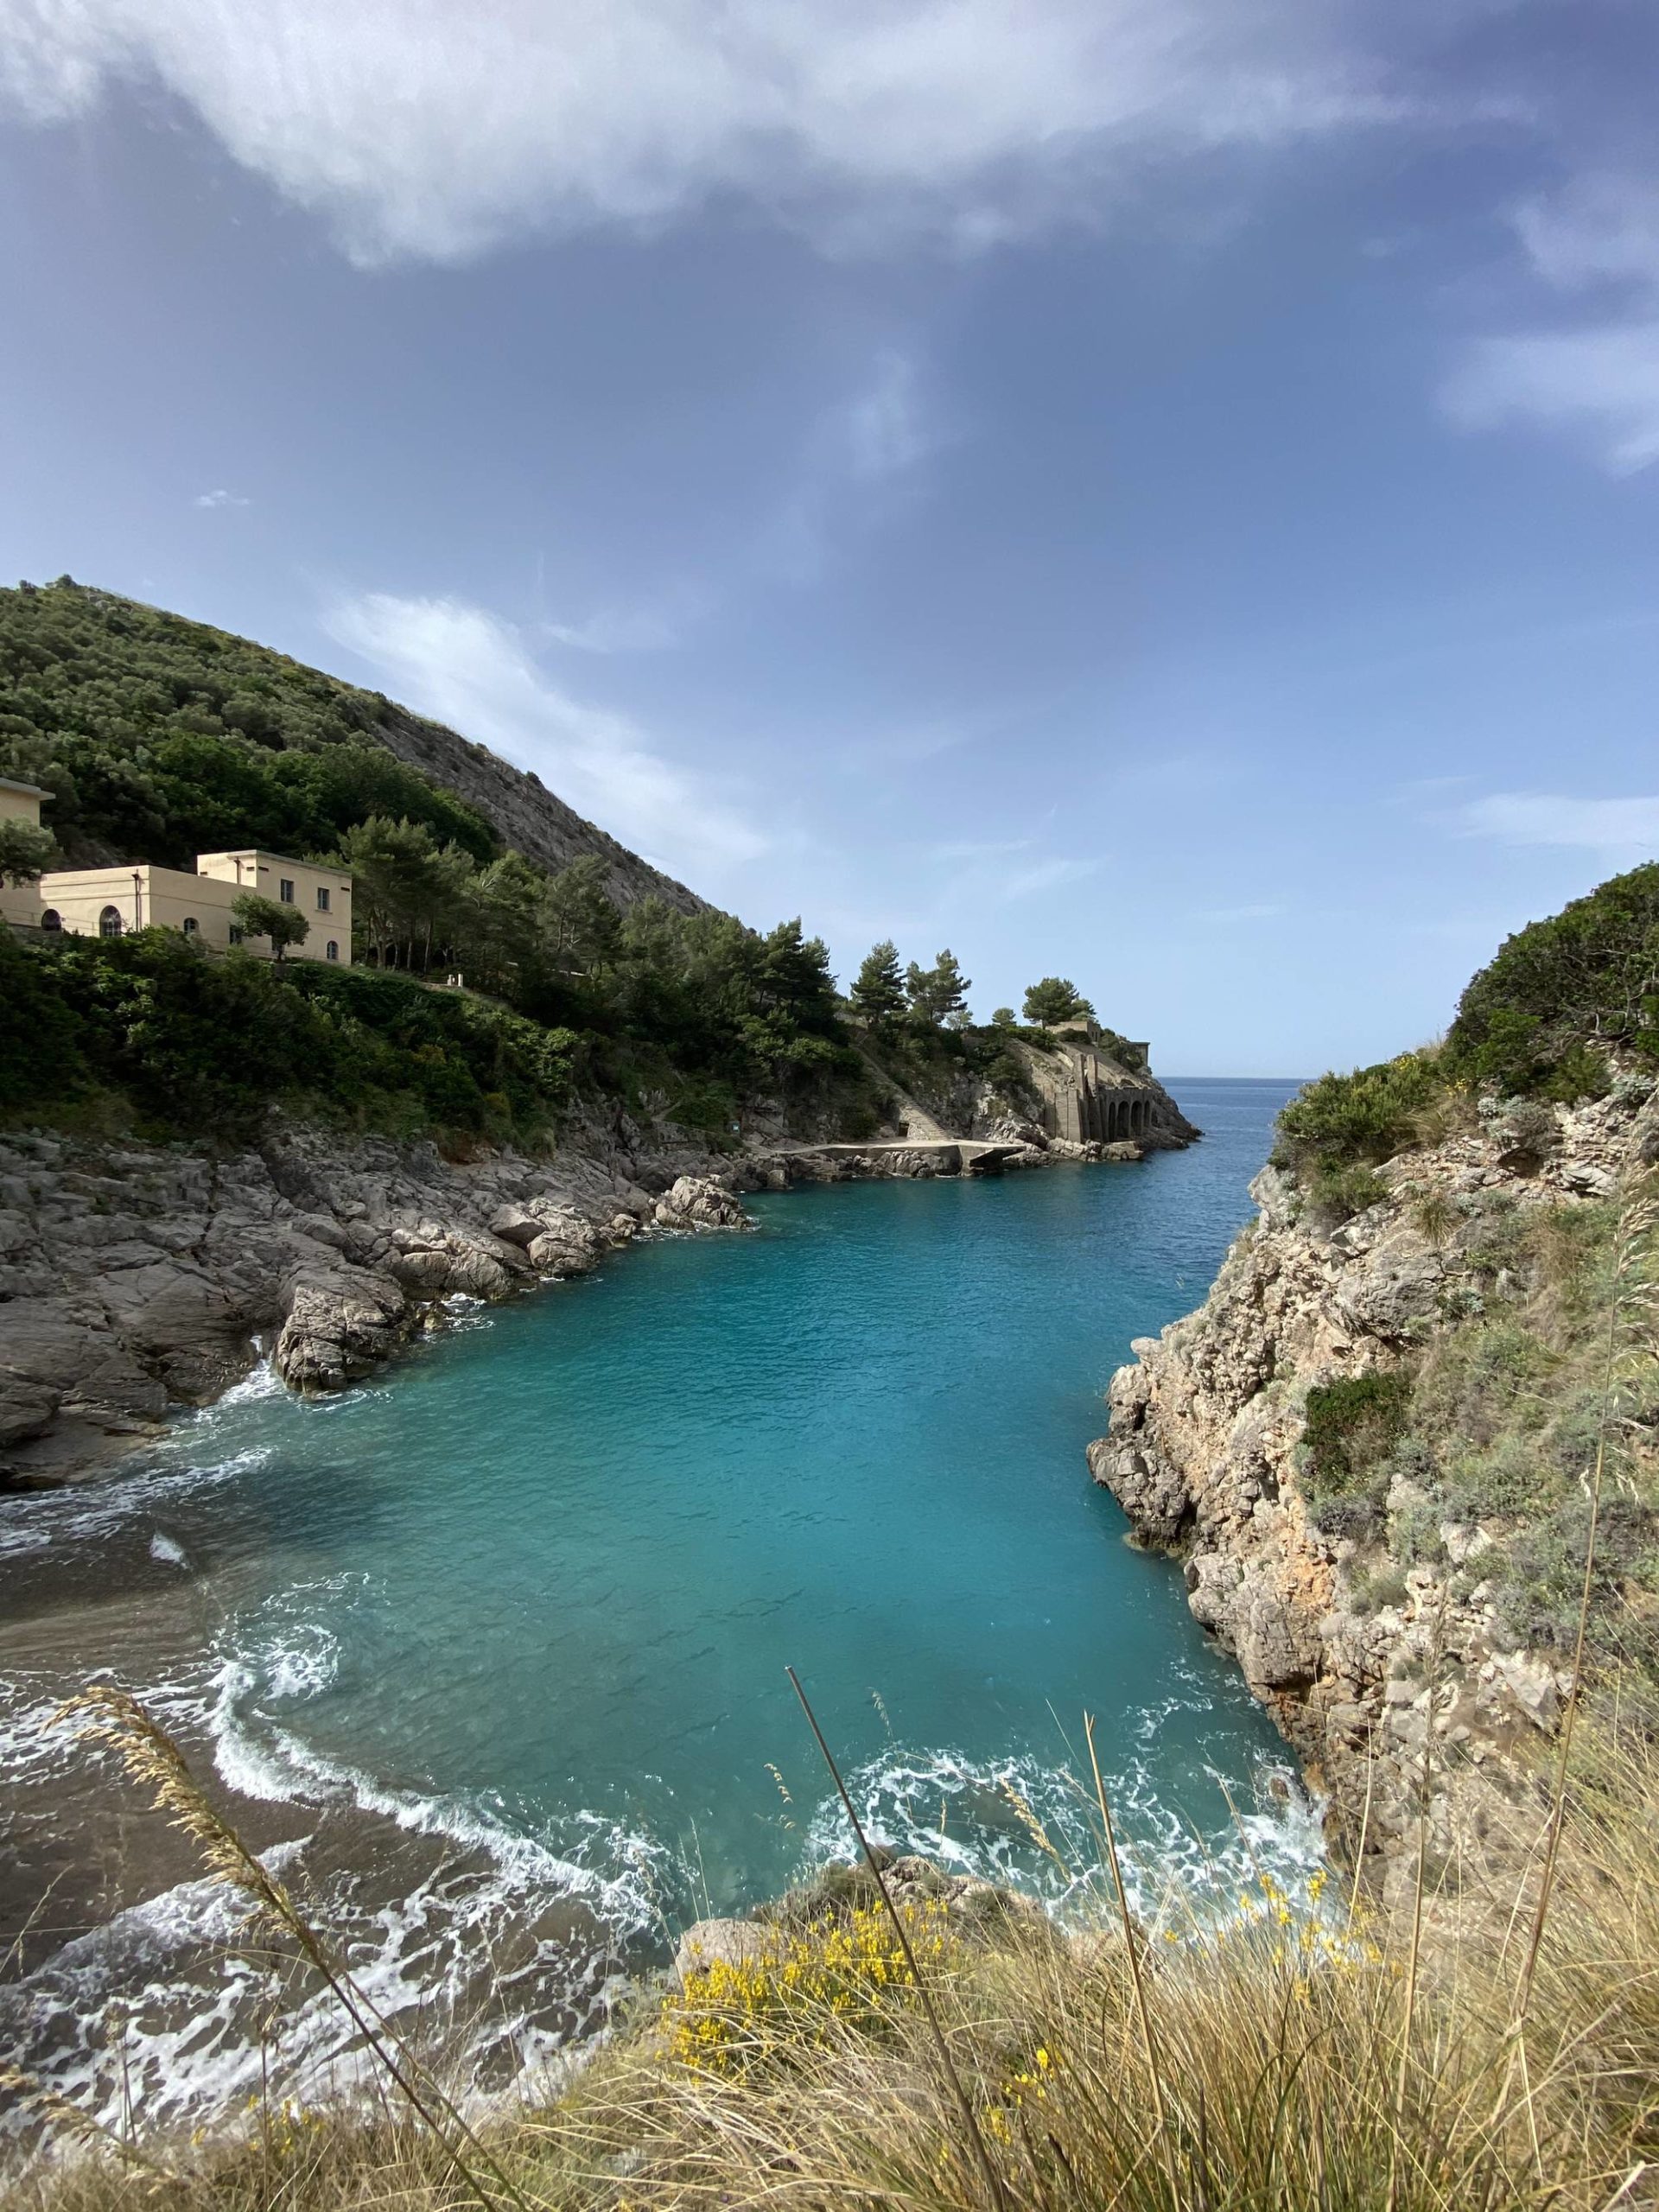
x: 339, y: 1327
x: 699, y: 1202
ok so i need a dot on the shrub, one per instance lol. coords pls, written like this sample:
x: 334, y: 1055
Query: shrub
x: 1350, y: 1427
x: 1366, y: 1117
x: 1338, y: 1193
x: 1539, y: 1016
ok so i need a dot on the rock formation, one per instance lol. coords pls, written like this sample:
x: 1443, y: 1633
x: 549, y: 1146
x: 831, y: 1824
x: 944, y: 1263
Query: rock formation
x: 136, y: 1278
x: 1204, y: 1453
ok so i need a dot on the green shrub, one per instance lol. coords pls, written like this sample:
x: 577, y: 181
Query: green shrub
x: 1366, y: 1117
x: 204, y: 1046
x: 1350, y: 1427
x: 1539, y: 1016
x: 1338, y: 1193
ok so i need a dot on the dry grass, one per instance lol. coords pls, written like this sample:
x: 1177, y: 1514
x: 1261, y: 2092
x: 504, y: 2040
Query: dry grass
x: 1291, y: 2061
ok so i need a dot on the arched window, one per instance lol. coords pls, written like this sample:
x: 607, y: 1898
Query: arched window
x: 109, y: 922
x: 333, y: 950
x: 191, y: 926
x: 51, y: 919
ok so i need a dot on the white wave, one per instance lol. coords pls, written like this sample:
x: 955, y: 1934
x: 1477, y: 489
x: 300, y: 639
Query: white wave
x: 262, y: 1758
x: 33, y: 1520
x: 982, y: 1819
x: 260, y: 1381
x: 167, y: 1550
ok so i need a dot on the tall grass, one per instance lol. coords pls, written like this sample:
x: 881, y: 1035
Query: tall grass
x: 1291, y: 2057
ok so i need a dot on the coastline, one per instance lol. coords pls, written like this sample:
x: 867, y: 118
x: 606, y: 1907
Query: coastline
x: 1426, y: 1705
x: 137, y: 1279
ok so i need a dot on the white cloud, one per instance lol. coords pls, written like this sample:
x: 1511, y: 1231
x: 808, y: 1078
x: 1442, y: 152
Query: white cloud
x: 1605, y: 825
x: 1043, y: 876
x: 436, y: 128
x: 885, y: 430
x: 220, y: 500
x: 463, y: 666
x: 1600, y: 229
x: 1603, y: 381
x: 1599, y: 378
x: 623, y: 629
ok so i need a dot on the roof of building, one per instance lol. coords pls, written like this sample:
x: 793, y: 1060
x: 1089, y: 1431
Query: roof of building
x: 264, y: 853
x: 29, y: 790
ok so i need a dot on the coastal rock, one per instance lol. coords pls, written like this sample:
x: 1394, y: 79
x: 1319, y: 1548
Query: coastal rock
x: 134, y: 1279
x: 1204, y: 1450
x: 699, y: 1202
x: 339, y: 1328
x: 721, y: 1942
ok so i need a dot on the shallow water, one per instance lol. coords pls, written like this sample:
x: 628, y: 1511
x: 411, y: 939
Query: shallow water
x: 532, y: 1595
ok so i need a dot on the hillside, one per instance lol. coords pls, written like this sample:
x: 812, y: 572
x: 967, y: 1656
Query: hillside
x: 160, y: 737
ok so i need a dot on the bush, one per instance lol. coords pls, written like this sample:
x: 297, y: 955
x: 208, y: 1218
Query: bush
x: 1350, y: 1427
x: 1365, y: 1117
x: 1338, y: 1193
x: 200, y: 1046
x: 1539, y: 1016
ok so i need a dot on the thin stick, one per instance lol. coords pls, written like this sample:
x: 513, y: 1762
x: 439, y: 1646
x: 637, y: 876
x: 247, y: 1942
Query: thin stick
x: 992, y: 2181
x: 1134, y: 1949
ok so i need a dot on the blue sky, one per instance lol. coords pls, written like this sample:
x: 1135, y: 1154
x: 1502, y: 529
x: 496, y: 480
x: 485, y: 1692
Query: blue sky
x: 1158, y: 490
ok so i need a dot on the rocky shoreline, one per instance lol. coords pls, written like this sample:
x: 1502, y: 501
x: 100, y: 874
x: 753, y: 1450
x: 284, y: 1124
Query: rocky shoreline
x: 1427, y: 1693
x: 137, y: 1279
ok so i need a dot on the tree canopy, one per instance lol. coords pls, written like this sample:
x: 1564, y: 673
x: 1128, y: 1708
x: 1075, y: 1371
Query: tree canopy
x: 1055, y: 1000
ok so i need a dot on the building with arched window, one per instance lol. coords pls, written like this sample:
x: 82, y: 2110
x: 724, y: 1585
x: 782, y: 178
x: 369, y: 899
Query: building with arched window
x: 109, y: 901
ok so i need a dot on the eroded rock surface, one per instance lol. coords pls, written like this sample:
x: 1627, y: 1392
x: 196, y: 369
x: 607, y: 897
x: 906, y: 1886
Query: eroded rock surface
x: 1203, y: 1453
x: 136, y: 1277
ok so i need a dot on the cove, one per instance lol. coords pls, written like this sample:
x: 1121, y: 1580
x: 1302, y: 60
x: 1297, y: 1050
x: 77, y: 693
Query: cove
x: 539, y: 1584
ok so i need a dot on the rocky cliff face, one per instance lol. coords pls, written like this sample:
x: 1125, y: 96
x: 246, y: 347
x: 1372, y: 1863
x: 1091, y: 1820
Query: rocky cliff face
x: 1074, y: 1102
x: 523, y: 813
x: 134, y: 1279
x: 1206, y: 1453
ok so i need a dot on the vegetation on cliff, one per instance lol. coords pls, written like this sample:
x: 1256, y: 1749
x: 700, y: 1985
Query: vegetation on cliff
x: 160, y: 738
x: 1537, y: 1366
x: 1539, y: 1021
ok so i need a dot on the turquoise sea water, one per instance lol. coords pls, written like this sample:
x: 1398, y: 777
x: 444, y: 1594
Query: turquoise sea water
x: 536, y: 1589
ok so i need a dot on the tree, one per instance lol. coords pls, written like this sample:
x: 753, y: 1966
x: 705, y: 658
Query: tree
x: 1055, y: 1001
x: 26, y: 853
x: 579, y: 917
x: 938, y: 995
x: 258, y: 917
x: 878, y: 992
x: 1003, y: 1017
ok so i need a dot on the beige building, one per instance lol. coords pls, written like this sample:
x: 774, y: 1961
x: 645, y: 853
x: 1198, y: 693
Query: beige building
x: 20, y: 803
x: 109, y: 901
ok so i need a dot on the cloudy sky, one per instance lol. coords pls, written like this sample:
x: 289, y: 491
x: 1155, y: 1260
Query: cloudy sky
x: 1160, y: 490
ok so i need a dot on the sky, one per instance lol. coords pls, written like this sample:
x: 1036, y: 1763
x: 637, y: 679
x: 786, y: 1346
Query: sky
x: 1161, y: 492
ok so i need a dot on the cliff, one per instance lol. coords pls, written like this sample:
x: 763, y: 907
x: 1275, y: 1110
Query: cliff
x: 135, y: 1278
x: 526, y: 816
x: 1070, y: 1100
x: 1371, y: 1447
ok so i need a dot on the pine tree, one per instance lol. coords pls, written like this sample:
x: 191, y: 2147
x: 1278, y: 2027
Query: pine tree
x: 1055, y: 1001
x: 938, y: 995
x: 878, y: 993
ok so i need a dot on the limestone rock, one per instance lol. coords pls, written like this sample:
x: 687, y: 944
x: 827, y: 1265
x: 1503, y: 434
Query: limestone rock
x: 721, y: 1942
x: 699, y: 1202
x: 1203, y: 1453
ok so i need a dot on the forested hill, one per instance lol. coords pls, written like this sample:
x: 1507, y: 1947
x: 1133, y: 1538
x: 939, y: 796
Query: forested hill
x: 160, y: 738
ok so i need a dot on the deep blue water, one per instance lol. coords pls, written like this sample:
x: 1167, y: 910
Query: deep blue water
x: 541, y: 1581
